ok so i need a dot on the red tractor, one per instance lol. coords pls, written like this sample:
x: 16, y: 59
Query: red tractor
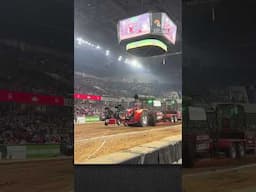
x: 196, y: 141
x: 146, y: 111
x: 226, y: 129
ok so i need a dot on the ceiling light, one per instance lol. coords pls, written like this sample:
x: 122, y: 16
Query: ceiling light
x: 126, y: 61
x: 134, y: 63
x: 120, y: 58
x: 79, y: 41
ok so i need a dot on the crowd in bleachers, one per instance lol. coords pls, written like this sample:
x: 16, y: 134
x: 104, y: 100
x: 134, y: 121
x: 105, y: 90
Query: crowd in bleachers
x: 35, y: 71
x: 242, y: 94
x: 31, y: 69
x: 100, y: 86
x: 22, y: 124
x: 87, y: 108
x: 117, y: 91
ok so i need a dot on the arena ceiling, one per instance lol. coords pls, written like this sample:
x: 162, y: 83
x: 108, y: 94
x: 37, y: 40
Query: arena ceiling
x: 51, y: 22
x: 96, y: 20
x: 218, y: 43
x: 47, y: 23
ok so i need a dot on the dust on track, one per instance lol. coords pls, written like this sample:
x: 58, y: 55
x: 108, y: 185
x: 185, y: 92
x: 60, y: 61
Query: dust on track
x: 105, y: 139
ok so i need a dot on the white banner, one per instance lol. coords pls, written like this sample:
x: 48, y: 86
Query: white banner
x: 16, y: 152
x: 80, y: 120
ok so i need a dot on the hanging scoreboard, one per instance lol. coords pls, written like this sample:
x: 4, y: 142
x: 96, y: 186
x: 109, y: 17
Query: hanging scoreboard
x: 148, y: 34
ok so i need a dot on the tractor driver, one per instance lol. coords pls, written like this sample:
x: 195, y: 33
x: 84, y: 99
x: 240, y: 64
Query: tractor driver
x: 137, y: 104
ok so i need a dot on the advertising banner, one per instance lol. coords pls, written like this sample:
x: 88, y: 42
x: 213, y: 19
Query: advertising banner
x: 94, y: 118
x: 87, y: 97
x: 43, y: 150
x: 30, y: 98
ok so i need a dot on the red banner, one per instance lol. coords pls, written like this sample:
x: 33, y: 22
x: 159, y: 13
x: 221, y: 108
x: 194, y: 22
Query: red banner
x: 30, y: 98
x: 87, y: 97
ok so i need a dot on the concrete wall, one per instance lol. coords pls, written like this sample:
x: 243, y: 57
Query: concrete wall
x: 165, y: 151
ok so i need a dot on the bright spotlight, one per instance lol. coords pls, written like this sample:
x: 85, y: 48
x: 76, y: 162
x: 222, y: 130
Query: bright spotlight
x: 79, y: 41
x: 126, y: 61
x: 120, y: 58
x: 107, y: 52
x: 98, y: 47
x: 139, y: 66
x: 164, y: 61
x: 134, y: 62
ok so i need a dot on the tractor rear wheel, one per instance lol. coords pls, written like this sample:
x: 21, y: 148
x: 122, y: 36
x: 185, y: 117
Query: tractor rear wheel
x: 175, y: 119
x: 231, y: 153
x: 240, y: 151
x: 151, y: 119
x: 143, y: 119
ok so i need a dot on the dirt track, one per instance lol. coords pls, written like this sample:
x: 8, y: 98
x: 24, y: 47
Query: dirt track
x: 242, y: 180
x: 37, y: 176
x: 93, y: 140
x: 221, y: 175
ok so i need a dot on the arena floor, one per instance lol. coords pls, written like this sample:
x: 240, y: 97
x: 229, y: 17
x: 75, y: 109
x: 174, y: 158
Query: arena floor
x: 222, y: 175
x: 55, y: 175
x: 95, y: 139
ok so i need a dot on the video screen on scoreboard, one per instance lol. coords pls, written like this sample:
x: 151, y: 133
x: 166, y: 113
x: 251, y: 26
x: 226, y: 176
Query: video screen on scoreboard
x: 134, y: 26
x: 169, y: 29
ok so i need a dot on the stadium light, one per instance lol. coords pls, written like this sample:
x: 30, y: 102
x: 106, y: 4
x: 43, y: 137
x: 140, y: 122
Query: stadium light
x: 107, y: 52
x: 163, y: 61
x: 135, y: 63
x: 139, y: 65
x: 119, y: 58
x: 98, y: 47
x: 79, y: 41
x: 126, y: 61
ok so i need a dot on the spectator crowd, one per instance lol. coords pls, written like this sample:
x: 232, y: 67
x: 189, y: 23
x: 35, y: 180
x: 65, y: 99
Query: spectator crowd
x: 30, y: 124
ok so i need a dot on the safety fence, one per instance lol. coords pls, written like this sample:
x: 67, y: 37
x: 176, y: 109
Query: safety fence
x: 29, y: 151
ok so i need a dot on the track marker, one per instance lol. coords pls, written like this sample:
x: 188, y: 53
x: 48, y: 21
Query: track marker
x: 102, y: 144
